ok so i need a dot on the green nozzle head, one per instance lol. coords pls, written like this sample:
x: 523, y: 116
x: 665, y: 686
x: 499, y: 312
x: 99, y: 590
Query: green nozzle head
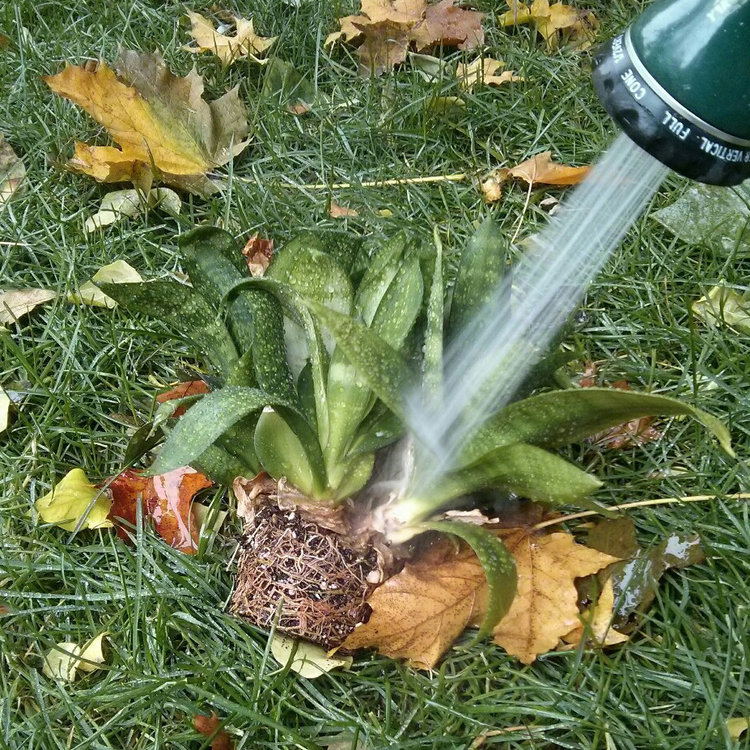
x: 678, y: 83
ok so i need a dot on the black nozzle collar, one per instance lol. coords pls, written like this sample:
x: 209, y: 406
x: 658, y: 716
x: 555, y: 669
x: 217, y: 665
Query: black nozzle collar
x: 660, y: 125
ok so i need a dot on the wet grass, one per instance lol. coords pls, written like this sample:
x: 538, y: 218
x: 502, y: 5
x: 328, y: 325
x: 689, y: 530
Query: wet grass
x: 90, y: 375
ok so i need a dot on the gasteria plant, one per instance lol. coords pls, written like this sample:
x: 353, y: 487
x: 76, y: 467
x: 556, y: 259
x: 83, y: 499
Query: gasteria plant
x: 309, y: 372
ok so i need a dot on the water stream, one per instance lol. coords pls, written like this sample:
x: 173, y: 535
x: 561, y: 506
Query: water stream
x: 494, y: 354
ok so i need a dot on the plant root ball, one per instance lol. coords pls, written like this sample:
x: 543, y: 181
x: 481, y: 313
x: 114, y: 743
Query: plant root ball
x: 302, y: 577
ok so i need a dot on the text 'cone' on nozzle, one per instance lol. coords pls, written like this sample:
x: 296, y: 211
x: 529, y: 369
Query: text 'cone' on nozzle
x: 678, y: 83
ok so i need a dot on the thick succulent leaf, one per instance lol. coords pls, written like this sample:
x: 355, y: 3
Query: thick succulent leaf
x: 298, y: 312
x: 433, y: 345
x: 354, y: 475
x: 498, y: 564
x: 207, y: 258
x: 482, y: 266
x: 560, y: 417
x: 379, y: 365
x: 350, y: 396
x: 281, y: 454
x: 183, y: 309
x: 222, y: 467
x: 380, y: 428
x: 378, y: 277
x: 526, y: 470
x: 200, y: 427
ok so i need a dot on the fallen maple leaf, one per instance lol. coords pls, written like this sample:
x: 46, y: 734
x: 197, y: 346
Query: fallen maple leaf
x: 12, y: 172
x: 335, y: 211
x: 161, y: 122
x: 388, y: 29
x: 74, y: 501
x: 245, y: 42
x: 207, y: 726
x: 258, y: 252
x: 419, y: 612
x: 181, y: 390
x: 166, y: 500
x: 482, y: 71
x: 538, y: 170
x: 545, y: 608
x: 549, y: 20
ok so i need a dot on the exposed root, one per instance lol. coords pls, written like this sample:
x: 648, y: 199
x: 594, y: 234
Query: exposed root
x: 309, y: 581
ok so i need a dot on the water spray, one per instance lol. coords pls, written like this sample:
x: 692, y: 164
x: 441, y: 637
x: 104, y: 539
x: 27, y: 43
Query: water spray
x: 667, y: 83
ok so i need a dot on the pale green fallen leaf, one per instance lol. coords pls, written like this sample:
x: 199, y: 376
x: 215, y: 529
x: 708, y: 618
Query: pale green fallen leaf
x: 72, y: 498
x: 118, y: 272
x: 15, y: 303
x: 201, y: 512
x: 724, y: 305
x: 91, y: 655
x: 709, y: 213
x: 4, y: 410
x: 12, y: 172
x: 122, y: 204
x: 737, y: 727
x: 309, y: 660
x: 60, y: 662
x: 64, y: 661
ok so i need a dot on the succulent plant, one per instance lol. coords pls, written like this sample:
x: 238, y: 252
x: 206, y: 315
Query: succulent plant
x: 311, y: 370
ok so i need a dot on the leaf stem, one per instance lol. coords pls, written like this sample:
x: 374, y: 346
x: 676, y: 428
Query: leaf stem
x: 641, y: 504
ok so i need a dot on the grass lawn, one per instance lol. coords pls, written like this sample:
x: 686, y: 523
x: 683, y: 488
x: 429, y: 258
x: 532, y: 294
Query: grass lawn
x: 91, y: 375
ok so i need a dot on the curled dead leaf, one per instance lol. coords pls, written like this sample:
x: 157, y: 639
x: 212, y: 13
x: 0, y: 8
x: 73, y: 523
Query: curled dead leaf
x: 258, y: 252
x: 12, y: 172
x: 553, y: 22
x: 335, y: 211
x: 244, y: 43
x: 482, y: 71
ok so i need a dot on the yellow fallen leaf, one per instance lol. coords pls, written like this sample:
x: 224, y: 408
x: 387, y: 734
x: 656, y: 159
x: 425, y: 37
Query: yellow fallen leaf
x: 64, y: 661
x: 12, y: 172
x: 245, y: 42
x: 550, y: 20
x: 596, y: 625
x: 545, y: 608
x: 201, y: 514
x: 482, y: 71
x: 335, y: 211
x: 118, y: 272
x: 538, y: 170
x: 71, y: 498
x: 161, y: 122
x: 725, y: 305
x: 15, y: 303
x: 307, y: 659
x: 737, y: 727
x: 419, y: 612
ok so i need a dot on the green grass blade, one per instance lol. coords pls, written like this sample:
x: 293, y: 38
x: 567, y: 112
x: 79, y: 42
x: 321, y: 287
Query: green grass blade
x: 498, y: 564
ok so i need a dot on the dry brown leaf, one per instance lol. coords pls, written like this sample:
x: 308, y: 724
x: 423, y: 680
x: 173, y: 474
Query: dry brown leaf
x: 545, y: 608
x: 596, y: 625
x: 482, y: 71
x: 335, y: 211
x: 538, y: 170
x: 245, y: 42
x: 208, y: 726
x: 258, y: 252
x: 388, y: 29
x: 12, y: 172
x: 418, y: 613
x: 161, y: 122
x: 577, y: 25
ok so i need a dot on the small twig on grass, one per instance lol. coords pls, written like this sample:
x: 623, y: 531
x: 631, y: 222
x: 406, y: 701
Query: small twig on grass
x: 457, y: 177
x: 641, y: 504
